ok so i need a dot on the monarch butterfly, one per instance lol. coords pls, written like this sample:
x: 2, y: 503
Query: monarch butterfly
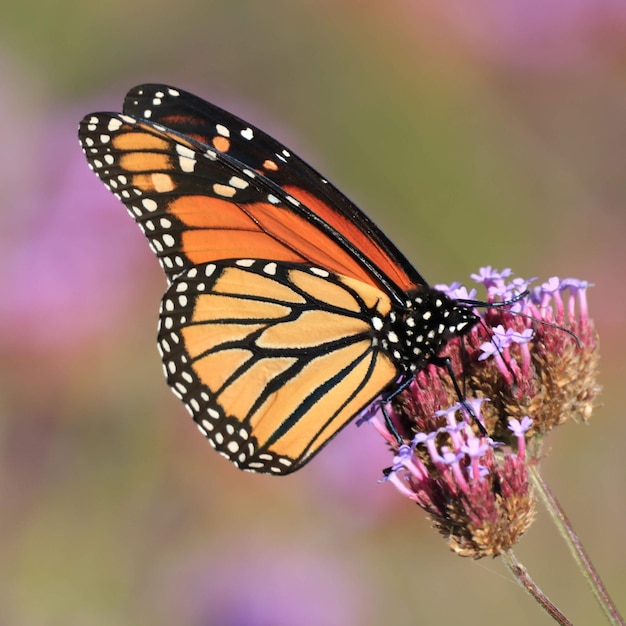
x: 288, y: 311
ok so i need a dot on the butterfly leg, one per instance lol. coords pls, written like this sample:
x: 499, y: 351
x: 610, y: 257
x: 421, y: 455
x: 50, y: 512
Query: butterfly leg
x: 446, y: 363
x: 386, y: 400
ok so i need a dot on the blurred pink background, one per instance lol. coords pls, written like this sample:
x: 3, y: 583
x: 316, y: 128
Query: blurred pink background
x: 491, y: 132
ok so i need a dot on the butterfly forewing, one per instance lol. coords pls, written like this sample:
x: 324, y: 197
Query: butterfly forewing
x: 197, y: 205
x: 256, y: 150
x: 272, y: 359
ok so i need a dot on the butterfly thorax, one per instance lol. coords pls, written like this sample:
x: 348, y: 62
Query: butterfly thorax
x: 421, y: 331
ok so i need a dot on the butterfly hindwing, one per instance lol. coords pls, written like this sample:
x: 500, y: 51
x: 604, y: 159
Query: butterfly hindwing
x: 273, y: 359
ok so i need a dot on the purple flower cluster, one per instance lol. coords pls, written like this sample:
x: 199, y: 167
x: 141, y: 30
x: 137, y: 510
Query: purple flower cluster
x: 529, y: 366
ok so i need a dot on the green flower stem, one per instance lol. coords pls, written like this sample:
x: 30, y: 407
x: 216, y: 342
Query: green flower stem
x: 571, y: 538
x: 522, y: 577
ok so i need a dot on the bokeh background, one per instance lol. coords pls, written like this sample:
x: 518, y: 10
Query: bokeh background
x: 483, y: 132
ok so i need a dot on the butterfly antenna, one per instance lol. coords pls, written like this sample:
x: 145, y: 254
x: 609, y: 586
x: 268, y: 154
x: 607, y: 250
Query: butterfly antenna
x: 571, y: 333
x: 513, y: 300
x: 482, y: 304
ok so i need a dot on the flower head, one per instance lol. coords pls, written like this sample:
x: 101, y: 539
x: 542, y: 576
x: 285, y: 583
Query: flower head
x: 530, y: 365
x: 477, y: 496
x: 536, y: 356
x: 539, y: 359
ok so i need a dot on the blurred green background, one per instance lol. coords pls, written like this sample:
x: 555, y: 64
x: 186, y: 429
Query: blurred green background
x: 490, y: 132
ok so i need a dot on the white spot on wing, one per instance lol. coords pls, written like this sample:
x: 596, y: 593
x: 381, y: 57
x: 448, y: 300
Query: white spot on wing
x: 222, y: 130
x: 377, y: 323
x: 224, y: 190
x: 238, y: 183
x: 318, y: 271
x: 186, y: 159
x: 114, y: 124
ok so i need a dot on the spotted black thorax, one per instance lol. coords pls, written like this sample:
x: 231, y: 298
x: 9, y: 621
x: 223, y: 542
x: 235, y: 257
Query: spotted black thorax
x: 431, y: 320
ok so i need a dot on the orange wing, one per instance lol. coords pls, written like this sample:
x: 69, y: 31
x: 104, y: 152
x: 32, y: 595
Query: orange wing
x: 272, y: 359
x: 249, y: 146
x: 201, y: 201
